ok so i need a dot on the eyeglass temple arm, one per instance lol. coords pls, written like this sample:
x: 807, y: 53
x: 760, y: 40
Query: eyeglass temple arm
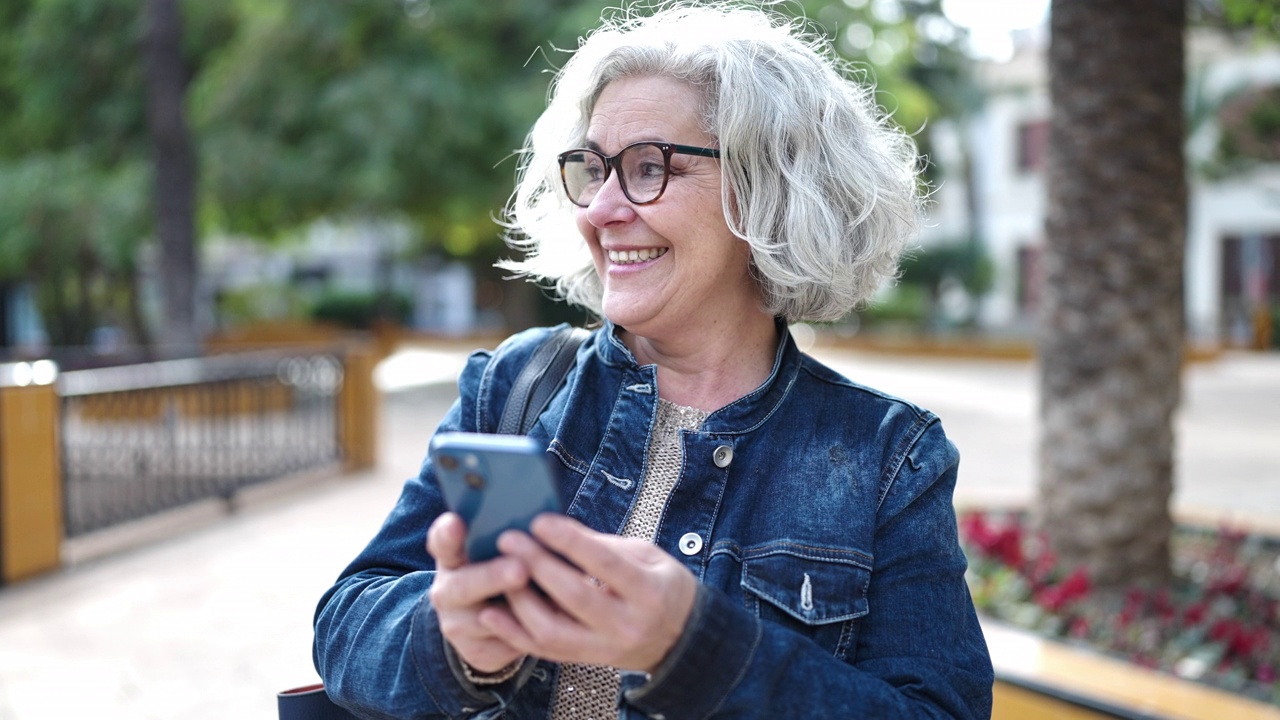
x: 691, y: 150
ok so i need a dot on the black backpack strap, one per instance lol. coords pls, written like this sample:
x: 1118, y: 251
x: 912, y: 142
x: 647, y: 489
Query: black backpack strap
x: 539, y: 379
x: 309, y: 703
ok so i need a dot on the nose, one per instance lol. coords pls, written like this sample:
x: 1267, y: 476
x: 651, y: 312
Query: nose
x: 610, y: 205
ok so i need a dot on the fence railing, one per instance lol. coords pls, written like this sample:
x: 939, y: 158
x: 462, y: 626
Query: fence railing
x: 95, y: 448
x: 141, y: 439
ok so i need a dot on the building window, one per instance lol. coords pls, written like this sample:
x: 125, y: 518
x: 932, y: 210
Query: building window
x: 1250, y: 284
x: 1030, y: 280
x: 1033, y: 146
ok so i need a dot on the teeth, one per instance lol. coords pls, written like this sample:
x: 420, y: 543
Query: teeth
x: 626, y: 257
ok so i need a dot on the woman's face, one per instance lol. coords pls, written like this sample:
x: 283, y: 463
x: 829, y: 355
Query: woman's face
x: 696, y: 270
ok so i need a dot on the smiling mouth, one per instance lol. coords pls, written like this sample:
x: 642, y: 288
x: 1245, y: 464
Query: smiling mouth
x: 627, y: 257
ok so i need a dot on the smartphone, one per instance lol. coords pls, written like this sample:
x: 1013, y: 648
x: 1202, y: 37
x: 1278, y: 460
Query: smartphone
x: 495, y: 482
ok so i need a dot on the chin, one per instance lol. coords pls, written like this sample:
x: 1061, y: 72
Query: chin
x: 627, y: 315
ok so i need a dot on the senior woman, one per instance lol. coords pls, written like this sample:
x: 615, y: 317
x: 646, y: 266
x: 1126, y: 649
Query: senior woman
x: 748, y: 534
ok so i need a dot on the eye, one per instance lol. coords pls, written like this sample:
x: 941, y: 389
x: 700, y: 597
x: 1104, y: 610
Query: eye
x: 650, y: 170
x: 594, y: 168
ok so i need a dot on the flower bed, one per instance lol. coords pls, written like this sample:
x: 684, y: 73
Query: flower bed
x: 1218, y: 622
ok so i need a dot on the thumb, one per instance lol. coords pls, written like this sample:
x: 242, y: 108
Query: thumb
x: 445, y: 541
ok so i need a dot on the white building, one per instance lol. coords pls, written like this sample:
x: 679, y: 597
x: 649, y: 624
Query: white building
x: 1233, y: 230
x: 281, y: 281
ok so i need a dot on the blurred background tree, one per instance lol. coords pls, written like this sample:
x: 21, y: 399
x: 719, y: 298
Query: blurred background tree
x: 75, y: 158
x: 1112, y: 332
x: 1111, y: 336
x: 370, y: 111
x: 406, y: 111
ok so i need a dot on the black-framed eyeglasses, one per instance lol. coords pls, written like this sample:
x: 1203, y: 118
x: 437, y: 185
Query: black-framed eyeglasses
x: 643, y: 170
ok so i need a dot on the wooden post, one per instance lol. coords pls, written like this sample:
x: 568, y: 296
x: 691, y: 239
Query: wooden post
x: 30, y: 480
x: 358, y: 410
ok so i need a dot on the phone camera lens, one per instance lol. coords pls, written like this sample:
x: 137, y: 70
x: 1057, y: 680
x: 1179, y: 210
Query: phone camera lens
x: 448, y: 462
x: 474, y: 480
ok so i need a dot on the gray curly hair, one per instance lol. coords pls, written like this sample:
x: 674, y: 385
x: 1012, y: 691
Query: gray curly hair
x: 816, y: 179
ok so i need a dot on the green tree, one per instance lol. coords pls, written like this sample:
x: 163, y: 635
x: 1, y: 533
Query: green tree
x: 913, y: 53
x: 374, y: 110
x: 71, y: 206
x: 962, y: 262
x: 75, y: 158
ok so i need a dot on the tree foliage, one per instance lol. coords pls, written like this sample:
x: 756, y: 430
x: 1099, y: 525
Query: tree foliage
x: 74, y: 157
x: 375, y: 109
x: 1257, y: 17
x: 409, y: 110
x: 913, y: 53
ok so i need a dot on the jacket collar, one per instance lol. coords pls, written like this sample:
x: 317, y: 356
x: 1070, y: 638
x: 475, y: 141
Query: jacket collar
x: 740, y: 416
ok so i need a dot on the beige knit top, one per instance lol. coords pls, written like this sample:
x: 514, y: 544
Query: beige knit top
x: 590, y: 692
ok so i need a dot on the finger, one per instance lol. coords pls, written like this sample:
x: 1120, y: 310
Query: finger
x: 575, y: 592
x: 479, y: 646
x: 535, y: 626
x: 489, y: 656
x: 649, y: 598
x: 473, y: 585
x: 445, y: 541
x: 615, y: 561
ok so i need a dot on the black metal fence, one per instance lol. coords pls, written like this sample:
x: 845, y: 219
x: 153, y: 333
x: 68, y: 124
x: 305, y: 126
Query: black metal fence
x: 140, y: 439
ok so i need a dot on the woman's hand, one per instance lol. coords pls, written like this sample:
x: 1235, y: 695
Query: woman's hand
x: 461, y: 592
x: 625, y: 603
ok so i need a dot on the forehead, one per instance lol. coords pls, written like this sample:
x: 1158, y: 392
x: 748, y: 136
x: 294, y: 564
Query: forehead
x: 646, y: 108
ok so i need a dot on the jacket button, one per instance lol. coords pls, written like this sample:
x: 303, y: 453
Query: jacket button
x: 690, y: 543
x: 722, y: 456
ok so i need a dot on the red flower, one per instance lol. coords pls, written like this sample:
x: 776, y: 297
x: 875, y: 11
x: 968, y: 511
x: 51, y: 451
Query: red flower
x: 975, y: 530
x: 1163, y: 607
x: 1008, y: 546
x: 1241, y: 641
x: 1195, y: 613
x: 1126, y: 617
x: 1004, y: 544
x: 1223, y: 630
x: 1232, y: 580
x: 1076, y: 586
x: 1044, y: 561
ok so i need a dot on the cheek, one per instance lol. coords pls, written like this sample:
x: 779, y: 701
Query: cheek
x: 585, y: 228
x: 588, y: 233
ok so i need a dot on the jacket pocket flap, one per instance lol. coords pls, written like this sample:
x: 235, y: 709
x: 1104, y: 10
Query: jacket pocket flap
x: 813, y: 588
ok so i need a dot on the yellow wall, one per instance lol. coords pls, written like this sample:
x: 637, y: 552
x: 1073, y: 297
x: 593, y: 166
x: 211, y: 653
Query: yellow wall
x: 30, y: 482
x: 1015, y: 703
x: 358, y: 407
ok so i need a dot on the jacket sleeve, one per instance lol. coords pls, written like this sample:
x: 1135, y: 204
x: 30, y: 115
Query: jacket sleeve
x: 378, y: 645
x: 920, y: 650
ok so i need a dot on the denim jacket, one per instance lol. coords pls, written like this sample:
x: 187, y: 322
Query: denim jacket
x: 816, y: 513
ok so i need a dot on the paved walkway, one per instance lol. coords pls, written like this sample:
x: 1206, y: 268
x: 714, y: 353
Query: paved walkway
x: 208, y: 614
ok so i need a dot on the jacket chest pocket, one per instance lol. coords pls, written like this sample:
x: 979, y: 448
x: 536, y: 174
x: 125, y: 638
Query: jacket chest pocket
x: 818, y: 592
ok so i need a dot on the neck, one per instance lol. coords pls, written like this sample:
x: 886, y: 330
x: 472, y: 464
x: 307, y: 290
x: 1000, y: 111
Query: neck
x: 710, y: 367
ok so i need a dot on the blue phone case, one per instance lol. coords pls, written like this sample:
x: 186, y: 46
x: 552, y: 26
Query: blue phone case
x: 495, y: 482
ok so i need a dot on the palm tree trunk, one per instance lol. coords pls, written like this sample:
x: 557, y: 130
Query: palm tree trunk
x: 1112, y: 332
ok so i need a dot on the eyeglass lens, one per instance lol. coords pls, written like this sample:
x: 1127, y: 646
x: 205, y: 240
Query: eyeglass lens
x: 643, y: 169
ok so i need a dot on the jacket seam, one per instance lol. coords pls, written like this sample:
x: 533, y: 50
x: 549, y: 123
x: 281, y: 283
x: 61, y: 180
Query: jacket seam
x: 905, y: 446
x: 742, y: 671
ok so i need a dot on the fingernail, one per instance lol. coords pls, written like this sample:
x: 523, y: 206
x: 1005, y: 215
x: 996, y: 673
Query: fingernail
x: 510, y: 541
x: 513, y: 574
x: 546, y: 522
